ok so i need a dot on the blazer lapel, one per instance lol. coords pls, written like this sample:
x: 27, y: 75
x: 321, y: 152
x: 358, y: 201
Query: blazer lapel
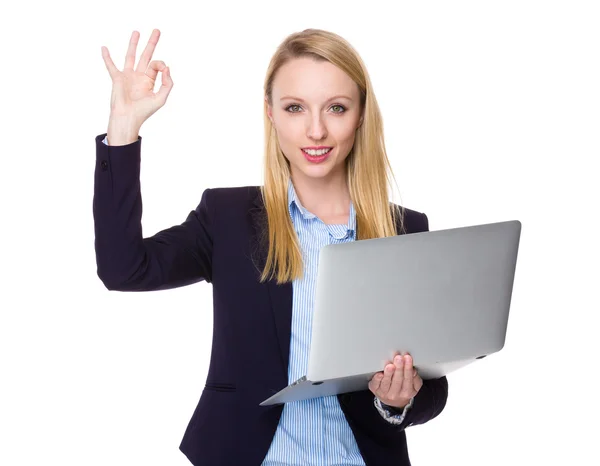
x: 280, y: 295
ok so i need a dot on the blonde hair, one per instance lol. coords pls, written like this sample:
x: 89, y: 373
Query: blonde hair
x: 369, y: 173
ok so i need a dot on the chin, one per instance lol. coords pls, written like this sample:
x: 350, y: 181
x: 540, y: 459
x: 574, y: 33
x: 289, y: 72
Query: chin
x: 315, y: 172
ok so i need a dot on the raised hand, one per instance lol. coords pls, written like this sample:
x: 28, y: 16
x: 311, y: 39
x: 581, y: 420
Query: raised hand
x: 133, y: 99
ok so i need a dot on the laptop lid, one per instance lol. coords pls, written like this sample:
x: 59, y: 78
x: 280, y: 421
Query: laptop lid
x: 443, y: 296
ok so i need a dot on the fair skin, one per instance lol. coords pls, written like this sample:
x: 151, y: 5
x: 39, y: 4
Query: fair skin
x: 313, y: 117
x: 322, y: 188
x: 398, y: 383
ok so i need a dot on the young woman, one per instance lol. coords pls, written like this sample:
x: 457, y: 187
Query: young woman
x: 326, y: 181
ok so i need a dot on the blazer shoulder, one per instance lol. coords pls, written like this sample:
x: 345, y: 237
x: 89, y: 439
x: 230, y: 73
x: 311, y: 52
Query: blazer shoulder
x: 230, y: 205
x: 234, y: 196
x: 413, y: 221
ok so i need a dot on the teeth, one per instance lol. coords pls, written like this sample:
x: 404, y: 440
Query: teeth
x: 316, y: 152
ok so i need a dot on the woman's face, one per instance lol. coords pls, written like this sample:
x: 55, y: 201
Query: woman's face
x: 314, y: 104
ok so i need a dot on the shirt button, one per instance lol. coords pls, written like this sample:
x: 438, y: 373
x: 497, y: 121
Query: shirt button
x: 104, y: 165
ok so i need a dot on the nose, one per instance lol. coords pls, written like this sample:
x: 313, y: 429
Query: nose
x: 316, y: 128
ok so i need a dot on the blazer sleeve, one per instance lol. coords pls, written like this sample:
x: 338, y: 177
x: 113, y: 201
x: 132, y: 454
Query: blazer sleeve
x: 126, y: 261
x: 427, y: 404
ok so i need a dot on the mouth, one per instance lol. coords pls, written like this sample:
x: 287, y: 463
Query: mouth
x: 317, y: 153
x: 317, y: 156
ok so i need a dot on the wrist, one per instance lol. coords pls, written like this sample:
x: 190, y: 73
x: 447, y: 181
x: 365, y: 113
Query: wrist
x: 122, y: 131
x: 399, y: 406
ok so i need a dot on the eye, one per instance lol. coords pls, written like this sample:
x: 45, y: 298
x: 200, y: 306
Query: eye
x: 342, y: 108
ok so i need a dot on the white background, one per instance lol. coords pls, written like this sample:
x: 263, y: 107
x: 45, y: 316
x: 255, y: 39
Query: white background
x: 491, y: 113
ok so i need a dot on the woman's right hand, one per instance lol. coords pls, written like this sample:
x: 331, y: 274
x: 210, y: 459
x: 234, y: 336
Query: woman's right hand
x: 133, y: 99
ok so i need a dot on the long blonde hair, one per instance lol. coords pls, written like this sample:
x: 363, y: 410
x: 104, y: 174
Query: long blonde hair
x: 369, y: 174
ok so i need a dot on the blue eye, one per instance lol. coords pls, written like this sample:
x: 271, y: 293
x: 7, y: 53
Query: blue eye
x: 343, y: 109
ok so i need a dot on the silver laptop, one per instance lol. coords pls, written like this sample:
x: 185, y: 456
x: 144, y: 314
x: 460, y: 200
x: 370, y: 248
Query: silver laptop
x: 442, y: 296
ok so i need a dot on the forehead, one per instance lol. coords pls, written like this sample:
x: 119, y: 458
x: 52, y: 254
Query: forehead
x: 309, y: 79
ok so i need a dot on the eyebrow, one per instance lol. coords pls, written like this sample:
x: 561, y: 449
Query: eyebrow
x: 331, y: 98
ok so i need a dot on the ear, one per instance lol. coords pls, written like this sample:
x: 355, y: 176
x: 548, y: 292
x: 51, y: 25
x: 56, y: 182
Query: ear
x: 362, y: 117
x: 268, y: 109
x: 360, y: 122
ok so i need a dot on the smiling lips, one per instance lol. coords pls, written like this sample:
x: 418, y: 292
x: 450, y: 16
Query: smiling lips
x: 317, y: 156
x: 316, y: 151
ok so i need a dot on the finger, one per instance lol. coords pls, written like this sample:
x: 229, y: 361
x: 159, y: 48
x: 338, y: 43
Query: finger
x: 154, y: 67
x: 148, y: 51
x: 386, y: 382
x: 110, y: 66
x: 375, y: 382
x: 130, y: 57
x: 398, y: 377
x: 408, y: 368
x: 408, y: 377
x: 166, y: 86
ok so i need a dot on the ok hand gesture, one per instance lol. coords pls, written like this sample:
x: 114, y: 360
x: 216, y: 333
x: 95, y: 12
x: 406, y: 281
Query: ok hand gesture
x: 133, y: 99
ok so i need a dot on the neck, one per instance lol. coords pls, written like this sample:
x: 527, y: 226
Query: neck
x: 323, y: 196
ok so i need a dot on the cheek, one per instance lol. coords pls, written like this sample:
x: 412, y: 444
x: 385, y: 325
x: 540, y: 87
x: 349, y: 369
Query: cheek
x: 290, y: 135
x: 343, y: 133
x: 347, y: 139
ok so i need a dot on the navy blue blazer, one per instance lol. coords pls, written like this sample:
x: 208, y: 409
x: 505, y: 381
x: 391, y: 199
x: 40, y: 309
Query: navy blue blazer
x: 220, y: 242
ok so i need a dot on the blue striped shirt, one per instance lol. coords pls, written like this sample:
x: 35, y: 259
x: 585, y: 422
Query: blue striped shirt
x: 315, y: 431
